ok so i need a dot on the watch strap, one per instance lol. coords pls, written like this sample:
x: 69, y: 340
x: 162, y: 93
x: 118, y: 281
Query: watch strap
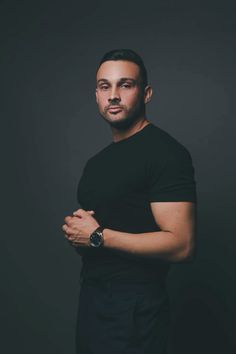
x: 99, y: 229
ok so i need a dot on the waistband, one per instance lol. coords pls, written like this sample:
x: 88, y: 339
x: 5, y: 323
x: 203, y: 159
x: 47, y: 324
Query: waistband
x: 122, y: 284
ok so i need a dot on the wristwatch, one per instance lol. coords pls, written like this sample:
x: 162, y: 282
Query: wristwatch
x: 96, y: 237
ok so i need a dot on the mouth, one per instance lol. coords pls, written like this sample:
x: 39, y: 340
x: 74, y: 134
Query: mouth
x: 115, y: 109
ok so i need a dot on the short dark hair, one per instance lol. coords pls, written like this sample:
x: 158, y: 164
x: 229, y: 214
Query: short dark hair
x: 129, y: 55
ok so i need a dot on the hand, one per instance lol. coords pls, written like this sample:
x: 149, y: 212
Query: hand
x: 79, y: 227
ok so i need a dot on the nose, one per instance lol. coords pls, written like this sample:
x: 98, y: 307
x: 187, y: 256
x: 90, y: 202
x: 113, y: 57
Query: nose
x: 114, y: 95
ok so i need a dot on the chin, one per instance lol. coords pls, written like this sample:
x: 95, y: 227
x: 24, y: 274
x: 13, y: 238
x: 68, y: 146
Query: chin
x: 122, y: 123
x: 119, y: 121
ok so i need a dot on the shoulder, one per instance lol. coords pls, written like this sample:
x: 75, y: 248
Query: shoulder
x: 170, y: 170
x: 166, y: 147
x: 101, y: 154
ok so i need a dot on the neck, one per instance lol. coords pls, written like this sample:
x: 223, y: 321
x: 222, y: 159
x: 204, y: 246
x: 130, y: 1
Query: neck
x: 118, y: 134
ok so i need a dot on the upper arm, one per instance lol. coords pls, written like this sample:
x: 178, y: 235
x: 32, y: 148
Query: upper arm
x: 172, y: 194
x: 179, y: 218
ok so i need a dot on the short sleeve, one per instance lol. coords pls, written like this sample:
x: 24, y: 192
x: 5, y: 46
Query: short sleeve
x: 175, y: 180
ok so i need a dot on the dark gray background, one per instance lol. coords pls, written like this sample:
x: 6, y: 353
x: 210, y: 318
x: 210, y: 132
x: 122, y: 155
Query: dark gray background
x: 50, y: 127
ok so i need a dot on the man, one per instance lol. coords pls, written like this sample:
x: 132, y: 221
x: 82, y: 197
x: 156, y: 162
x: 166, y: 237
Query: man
x: 137, y: 215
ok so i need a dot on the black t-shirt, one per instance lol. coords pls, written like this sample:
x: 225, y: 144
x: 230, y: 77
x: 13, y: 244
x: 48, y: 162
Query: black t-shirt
x: 118, y: 183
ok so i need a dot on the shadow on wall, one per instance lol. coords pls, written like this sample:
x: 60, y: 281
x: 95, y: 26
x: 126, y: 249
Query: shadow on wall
x: 199, y: 324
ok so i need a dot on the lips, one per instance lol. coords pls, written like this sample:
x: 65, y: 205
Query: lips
x: 115, y: 109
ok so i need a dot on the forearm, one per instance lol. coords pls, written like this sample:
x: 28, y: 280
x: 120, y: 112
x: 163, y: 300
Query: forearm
x: 158, y: 244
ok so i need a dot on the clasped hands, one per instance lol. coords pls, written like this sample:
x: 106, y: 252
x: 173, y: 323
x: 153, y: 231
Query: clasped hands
x: 78, y: 228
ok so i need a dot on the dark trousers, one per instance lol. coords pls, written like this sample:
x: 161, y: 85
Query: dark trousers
x: 122, y: 318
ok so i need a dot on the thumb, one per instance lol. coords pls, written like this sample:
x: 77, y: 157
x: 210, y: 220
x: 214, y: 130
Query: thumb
x: 91, y: 211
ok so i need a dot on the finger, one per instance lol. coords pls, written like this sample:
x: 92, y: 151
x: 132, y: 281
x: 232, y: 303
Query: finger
x: 72, y: 241
x: 67, y: 219
x: 75, y: 213
x: 70, y: 222
x: 80, y: 212
x: 68, y: 230
x: 70, y: 238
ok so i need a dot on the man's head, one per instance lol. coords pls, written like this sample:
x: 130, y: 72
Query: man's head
x: 121, y: 81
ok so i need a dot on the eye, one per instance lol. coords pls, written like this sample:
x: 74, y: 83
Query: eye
x: 104, y: 87
x: 126, y: 85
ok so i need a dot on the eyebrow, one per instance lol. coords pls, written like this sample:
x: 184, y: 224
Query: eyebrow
x: 120, y: 80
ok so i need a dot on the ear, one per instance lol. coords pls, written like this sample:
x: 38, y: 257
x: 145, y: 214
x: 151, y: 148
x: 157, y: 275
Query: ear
x: 96, y: 94
x: 147, y: 94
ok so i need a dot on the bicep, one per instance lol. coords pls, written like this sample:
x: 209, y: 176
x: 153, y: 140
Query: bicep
x: 178, y: 218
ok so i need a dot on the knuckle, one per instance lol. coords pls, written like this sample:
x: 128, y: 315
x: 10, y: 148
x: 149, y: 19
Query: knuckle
x: 66, y: 219
x: 69, y: 222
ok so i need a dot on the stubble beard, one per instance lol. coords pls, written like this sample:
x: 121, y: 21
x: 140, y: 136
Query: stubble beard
x: 126, y: 121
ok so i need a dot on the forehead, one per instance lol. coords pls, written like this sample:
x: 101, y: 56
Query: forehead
x: 116, y: 69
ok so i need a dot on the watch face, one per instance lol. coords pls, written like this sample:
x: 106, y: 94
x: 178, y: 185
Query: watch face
x: 95, y: 239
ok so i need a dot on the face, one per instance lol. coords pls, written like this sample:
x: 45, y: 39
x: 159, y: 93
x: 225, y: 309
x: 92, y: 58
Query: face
x: 119, y: 86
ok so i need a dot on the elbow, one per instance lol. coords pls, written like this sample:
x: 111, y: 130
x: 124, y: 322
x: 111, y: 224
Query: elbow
x: 188, y: 254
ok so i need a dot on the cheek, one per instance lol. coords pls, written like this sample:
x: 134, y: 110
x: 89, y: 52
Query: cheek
x: 102, y: 101
x: 131, y: 99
